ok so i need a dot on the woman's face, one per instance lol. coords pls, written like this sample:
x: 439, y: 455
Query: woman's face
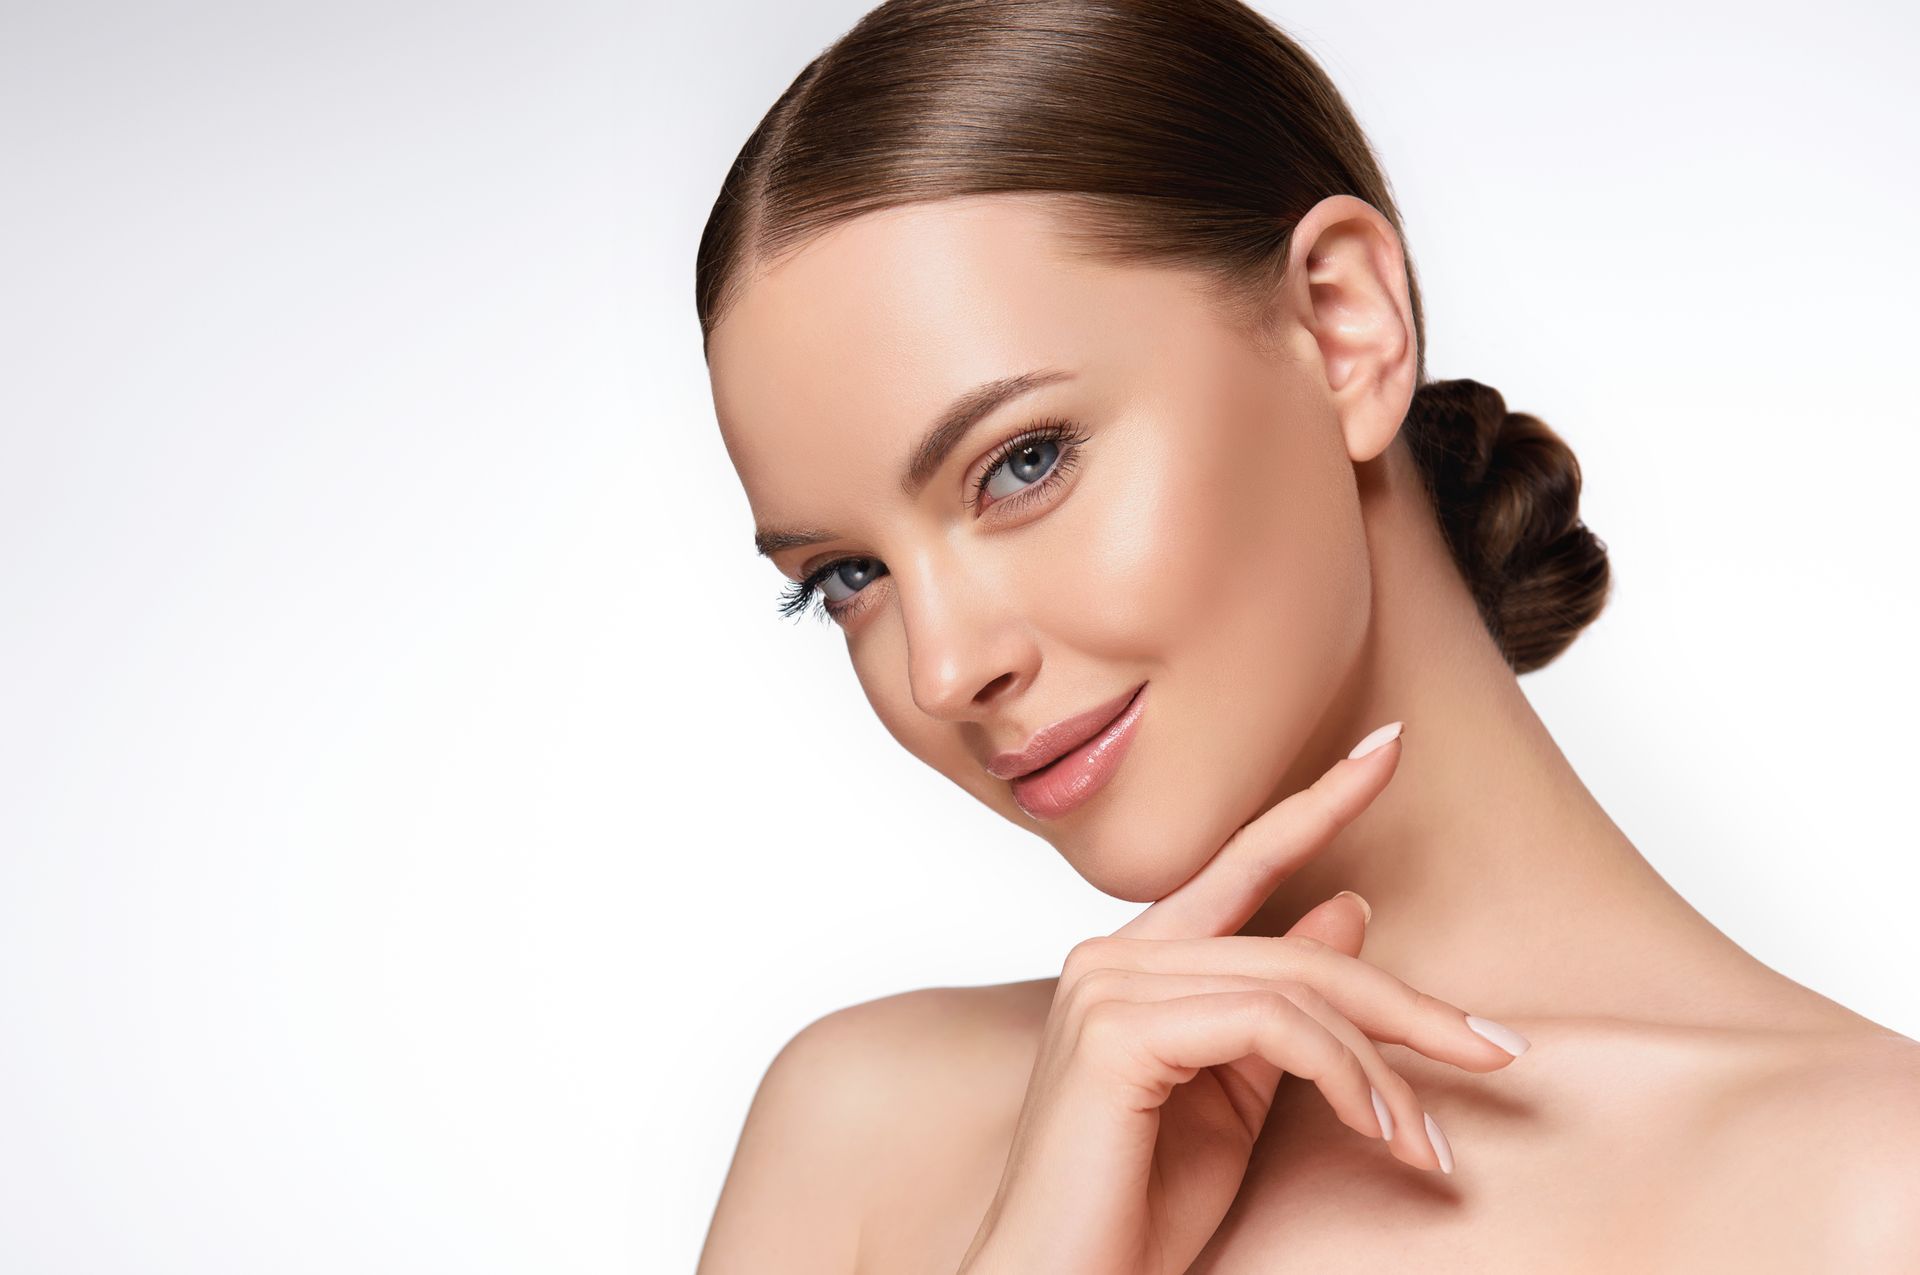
x: 1185, y: 520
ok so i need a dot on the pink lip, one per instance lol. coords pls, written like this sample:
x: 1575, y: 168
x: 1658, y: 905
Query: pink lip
x: 1051, y: 742
x: 1070, y: 779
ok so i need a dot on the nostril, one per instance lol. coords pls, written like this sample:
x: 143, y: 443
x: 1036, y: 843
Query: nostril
x: 994, y: 689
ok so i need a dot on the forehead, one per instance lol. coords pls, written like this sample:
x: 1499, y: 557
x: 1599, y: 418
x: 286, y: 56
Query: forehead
x: 830, y: 364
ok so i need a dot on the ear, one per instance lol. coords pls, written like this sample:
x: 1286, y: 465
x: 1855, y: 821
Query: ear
x: 1348, y: 290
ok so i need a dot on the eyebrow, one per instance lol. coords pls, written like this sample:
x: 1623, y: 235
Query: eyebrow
x: 935, y: 446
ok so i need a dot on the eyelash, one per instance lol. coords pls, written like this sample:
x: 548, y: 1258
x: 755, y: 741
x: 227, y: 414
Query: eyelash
x: 799, y: 594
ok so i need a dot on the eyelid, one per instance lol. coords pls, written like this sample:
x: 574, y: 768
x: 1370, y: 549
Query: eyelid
x: 969, y: 487
x: 997, y: 452
x: 1058, y: 429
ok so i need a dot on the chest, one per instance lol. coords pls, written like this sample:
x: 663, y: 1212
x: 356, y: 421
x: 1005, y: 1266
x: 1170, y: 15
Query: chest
x: 1584, y: 1172
x: 1318, y: 1197
x: 1608, y: 1174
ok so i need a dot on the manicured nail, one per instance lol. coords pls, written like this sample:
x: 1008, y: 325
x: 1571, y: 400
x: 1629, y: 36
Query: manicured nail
x: 1505, y: 1037
x: 1382, y: 1114
x: 1376, y: 738
x: 1364, y: 905
x: 1440, y: 1147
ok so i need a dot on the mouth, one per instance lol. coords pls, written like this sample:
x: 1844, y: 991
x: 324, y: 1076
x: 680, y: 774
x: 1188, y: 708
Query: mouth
x: 1070, y: 779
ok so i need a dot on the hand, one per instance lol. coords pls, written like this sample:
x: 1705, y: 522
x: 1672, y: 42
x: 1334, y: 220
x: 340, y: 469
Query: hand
x: 1167, y: 1039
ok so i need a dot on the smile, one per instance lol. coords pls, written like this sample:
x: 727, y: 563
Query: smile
x: 1070, y: 779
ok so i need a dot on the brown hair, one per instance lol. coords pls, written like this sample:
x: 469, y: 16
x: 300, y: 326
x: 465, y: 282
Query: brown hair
x: 1190, y: 133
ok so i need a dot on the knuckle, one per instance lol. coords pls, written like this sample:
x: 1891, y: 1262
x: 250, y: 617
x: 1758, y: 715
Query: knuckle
x: 1103, y: 1028
x: 1096, y: 985
x: 1277, y: 1006
x: 1290, y: 989
x: 1083, y: 956
x: 1305, y: 1051
x: 1307, y: 996
x: 1335, y: 1058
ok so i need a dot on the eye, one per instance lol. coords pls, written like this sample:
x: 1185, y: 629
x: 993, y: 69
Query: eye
x: 838, y: 584
x: 1022, y: 469
x: 1035, y: 458
x: 1028, y: 465
x: 847, y: 577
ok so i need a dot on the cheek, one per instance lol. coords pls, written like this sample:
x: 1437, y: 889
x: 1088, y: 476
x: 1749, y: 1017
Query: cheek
x: 1287, y: 633
x: 1234, y: 574
x: 1227, y: 544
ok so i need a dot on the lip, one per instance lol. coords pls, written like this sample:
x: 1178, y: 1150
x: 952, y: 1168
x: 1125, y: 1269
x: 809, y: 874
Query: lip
x: 1050, y: 743
x: 1077, y: 774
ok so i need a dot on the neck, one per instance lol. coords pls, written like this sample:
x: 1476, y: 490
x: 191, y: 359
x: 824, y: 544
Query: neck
x: 1497, y: 881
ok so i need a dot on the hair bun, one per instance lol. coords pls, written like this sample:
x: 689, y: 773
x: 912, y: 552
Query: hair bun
x: 1506, y: 489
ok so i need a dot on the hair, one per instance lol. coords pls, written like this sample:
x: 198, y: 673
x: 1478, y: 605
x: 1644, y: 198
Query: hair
x: 1186, y: 133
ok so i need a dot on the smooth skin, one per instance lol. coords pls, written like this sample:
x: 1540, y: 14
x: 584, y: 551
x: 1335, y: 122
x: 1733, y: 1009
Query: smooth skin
x: 1243, y: 529
x: 1167, y: 1041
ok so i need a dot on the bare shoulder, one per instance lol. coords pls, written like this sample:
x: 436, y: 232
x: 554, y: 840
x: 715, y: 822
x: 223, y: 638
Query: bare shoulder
x: 878, y: 1098
x: 1823, y: 1139
x: 919, y: 1052
x: 940, y: 1027
x: 946, y: 1071
x: 1858, y: 1102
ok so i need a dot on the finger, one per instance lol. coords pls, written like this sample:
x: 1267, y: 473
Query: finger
x: 1403, y: 1128
x: 1152, y: 1046
x: 1231, y: 886
x: 1257, y: 1078
x: 1381, y: 1005
x: 1339, y: 922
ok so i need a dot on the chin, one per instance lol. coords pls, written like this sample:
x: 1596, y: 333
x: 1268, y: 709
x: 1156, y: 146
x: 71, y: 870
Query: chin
x: 1139, y: 851
x: 1136, y: 874
x: 1155, y: 827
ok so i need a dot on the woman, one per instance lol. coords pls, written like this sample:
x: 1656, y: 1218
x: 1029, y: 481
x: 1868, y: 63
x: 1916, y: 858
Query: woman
x: 1072, y: 361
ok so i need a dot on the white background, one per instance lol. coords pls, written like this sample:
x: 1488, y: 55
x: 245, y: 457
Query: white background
x: 418, y: 831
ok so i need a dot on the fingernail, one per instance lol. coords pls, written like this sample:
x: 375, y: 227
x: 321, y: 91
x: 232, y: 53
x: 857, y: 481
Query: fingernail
x: 1505, y: 1037
x: 1376, y: 738
x: 1382, y: 1114
x: 1440, y: 1147
x: 1364, y: 905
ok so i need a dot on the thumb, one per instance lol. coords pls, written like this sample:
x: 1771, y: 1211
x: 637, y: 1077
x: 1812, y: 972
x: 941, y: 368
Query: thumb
x: 1339, y: 922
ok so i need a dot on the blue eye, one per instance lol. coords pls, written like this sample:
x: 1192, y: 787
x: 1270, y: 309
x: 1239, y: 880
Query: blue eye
x: 1028, y: 465
x: 1033, y: 460
x: 843, y: 579
x: 837, y: 583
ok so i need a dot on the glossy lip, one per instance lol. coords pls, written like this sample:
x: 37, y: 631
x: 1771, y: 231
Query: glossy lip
x: 1066, y: 783
x: 1050, y: 743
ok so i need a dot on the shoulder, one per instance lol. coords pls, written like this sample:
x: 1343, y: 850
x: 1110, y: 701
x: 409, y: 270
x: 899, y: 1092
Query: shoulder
x: 854, y: 1098
x: 1856, y: 1105
x: 1761, y: 1149
x: 1828, y: 1134
x: 893, y: 1036
x: 911, y: 1054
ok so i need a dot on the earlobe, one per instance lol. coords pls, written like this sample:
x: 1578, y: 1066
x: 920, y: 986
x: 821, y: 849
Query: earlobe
x: 1350, y: 279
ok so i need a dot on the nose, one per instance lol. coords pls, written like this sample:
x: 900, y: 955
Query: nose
x: 968, y: 644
